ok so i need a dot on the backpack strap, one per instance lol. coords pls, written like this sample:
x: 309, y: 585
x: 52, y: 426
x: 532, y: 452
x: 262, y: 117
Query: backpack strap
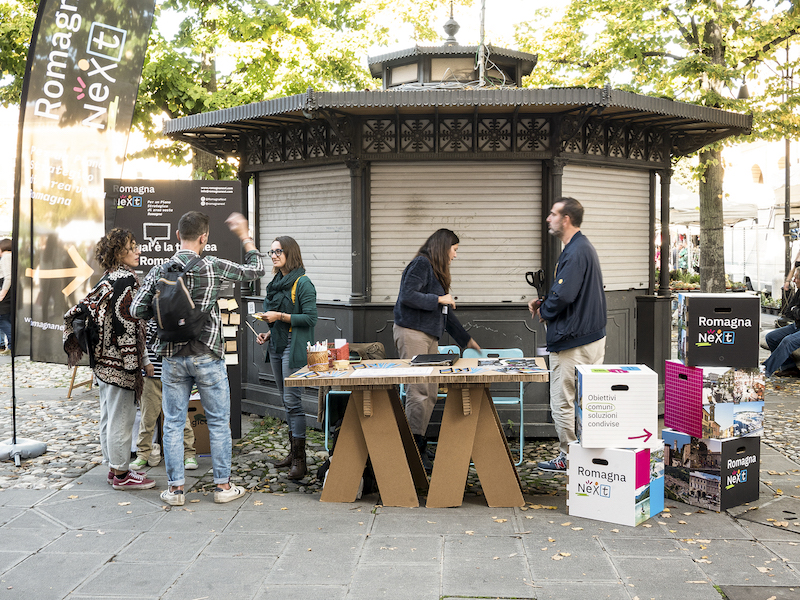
x: 294, y: 287
x: 190, y: 264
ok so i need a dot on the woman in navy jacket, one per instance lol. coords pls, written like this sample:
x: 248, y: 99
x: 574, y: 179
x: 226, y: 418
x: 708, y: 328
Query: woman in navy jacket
x: 424, y: 310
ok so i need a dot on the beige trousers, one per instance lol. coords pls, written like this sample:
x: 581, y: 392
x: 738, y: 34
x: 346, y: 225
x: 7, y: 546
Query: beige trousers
x: 420, y: 397
x: 562, y: 386
x: 150, y: 405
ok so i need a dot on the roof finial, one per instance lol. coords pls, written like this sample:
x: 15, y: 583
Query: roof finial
x: 451, y: 28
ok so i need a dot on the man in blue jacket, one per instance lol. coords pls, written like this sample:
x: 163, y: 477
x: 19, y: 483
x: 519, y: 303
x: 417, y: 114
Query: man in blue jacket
x: 575, y: 313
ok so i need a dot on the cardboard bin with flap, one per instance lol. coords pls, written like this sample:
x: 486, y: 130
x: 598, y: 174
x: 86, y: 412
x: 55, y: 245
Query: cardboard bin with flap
x: 617, y: 485
x: 711, y: 473
x: 713, y: 402
x: 616, y: 406
x: 719, y: 330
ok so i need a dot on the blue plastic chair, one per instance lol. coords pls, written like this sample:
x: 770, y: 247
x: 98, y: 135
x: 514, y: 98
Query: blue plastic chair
x: 505, y: 400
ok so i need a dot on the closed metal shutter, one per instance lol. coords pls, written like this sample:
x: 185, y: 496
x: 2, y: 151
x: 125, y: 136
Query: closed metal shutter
x: 493, y: 207
x: 312, y: 206
x: 616, y: 220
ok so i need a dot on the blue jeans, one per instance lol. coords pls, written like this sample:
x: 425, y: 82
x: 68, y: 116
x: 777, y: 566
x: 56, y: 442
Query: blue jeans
x: 179, y: 373
x: 782, y: 342
x: 5, y: 327
x: 292, y: 400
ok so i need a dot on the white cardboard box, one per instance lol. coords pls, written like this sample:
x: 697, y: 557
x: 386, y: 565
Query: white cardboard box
x: 617, y: 485
x: 616, y: 406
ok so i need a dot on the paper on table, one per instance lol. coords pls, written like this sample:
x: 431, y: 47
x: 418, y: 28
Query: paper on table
x: 395, y: 372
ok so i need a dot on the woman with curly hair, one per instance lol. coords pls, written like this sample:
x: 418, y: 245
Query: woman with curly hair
x: 117, y: 355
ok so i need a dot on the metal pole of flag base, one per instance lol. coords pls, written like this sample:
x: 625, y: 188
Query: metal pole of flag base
x: 15, y: 447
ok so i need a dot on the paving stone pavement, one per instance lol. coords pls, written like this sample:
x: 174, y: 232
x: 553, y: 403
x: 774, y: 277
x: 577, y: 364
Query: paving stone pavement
x: 65, y: 534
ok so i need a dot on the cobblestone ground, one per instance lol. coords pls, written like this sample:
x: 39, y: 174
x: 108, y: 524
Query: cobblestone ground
x: 69, y: 427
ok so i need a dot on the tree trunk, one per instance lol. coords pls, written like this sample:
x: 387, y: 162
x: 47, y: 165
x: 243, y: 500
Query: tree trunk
x: 204, y: 165
x: 712, y: 243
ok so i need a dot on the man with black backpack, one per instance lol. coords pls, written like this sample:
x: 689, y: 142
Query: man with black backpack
x: 191, y: 344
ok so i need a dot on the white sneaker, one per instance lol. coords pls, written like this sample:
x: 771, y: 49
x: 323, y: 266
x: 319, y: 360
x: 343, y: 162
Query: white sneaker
x: 155, y: 456
x: 176, y: 498
x: 221, y: 496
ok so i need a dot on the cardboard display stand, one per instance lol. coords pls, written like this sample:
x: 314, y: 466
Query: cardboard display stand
x: 375, y: 426
x: 197, y: 418
x: 719, y: 329
x: 711, y: 473
x: 713, y: 402
x: 616, y: 406
x: 617, y: 485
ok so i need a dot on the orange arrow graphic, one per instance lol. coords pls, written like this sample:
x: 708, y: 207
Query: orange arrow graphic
x: 81, y: 272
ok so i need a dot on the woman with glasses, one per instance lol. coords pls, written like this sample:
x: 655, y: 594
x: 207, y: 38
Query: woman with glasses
x: 118, y: 356
x: 424, y: 310
x: 291, y: 311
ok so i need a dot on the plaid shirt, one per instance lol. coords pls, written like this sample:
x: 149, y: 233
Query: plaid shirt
x: 204, y: 282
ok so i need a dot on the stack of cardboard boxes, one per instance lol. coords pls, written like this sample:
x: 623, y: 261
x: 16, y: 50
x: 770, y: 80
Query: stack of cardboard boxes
x: 714, y: 402
x: 616, y: 468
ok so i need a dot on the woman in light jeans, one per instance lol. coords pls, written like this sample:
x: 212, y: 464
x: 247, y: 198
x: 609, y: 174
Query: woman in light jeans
x: 291, y: 311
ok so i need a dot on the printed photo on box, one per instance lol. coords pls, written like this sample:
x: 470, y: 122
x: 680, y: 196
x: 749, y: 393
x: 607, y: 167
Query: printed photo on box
x: 713, y: 402
x: 711, y: 473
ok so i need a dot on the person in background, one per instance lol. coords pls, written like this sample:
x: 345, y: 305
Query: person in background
x: 291, y: 311
x: 785, y: 340
x: 119, y: 357
x: 683, y: 258
x: 199, y: 361
x: 424, y: 310
x: 6, y: 312
x: 148, y: 452
x: 575, y: 313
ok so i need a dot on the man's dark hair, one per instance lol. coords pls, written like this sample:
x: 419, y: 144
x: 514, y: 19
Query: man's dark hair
x: 5, y: 245
x: 192, y: 225
x: 571, y: 208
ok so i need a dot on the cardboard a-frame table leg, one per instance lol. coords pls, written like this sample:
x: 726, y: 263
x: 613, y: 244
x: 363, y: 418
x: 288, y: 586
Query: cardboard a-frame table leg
x: 375, y: 426
x: 471, y: 428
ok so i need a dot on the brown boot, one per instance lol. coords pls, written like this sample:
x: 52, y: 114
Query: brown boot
x: 299, y: 469
x: 286, y: 462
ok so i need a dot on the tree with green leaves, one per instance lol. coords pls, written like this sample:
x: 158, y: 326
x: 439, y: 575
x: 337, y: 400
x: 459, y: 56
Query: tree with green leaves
x: 698, y: 51
x: 233, y: 52
x: 228, y: 53
x: 16, y: 27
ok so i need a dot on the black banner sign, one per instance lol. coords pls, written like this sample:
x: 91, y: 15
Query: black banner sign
x: 83, y: 72
x: 151, y: 210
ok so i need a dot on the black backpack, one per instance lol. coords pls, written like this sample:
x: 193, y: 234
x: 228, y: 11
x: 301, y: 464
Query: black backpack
x: 177, y: 317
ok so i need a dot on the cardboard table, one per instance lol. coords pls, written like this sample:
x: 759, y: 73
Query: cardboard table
x: 375, y: 426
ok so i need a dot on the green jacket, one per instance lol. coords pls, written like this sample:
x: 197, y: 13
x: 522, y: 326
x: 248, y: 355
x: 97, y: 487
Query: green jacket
x: 304, y: 319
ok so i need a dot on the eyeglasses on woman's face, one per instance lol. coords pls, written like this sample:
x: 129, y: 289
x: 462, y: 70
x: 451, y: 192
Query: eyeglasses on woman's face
x: 276, y: 252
